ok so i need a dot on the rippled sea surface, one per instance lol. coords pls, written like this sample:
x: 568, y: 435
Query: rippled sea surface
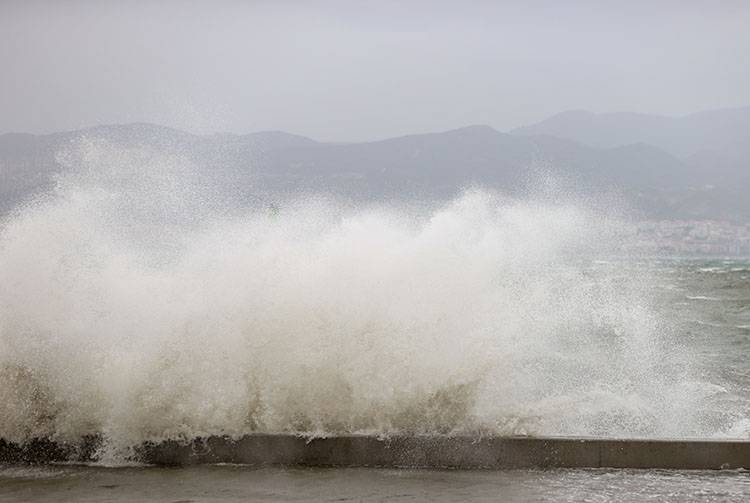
x: 232, y: 483
x: 709, y: 302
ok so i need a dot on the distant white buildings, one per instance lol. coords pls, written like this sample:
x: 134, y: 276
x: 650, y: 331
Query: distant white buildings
x: 691, y: 237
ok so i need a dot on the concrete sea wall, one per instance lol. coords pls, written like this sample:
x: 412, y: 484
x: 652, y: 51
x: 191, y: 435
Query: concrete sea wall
x: 461, y: 452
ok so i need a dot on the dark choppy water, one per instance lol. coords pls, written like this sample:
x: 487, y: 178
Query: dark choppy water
x: 709, y: 302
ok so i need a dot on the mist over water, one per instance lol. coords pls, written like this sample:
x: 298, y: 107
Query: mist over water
x: 139, y: 305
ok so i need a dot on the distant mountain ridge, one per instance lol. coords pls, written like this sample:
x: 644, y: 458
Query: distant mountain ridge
x: 714, y: 144
x: 645, y: 159
x: 726, y: 130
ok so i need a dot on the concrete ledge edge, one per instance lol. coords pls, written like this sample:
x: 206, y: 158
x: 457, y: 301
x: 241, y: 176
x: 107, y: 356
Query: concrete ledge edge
x: 408, y: 451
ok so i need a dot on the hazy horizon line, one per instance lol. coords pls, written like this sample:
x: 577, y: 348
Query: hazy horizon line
x: 370, y: 140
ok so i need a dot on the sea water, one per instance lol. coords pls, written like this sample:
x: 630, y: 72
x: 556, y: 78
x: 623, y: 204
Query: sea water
x: 139, y: 306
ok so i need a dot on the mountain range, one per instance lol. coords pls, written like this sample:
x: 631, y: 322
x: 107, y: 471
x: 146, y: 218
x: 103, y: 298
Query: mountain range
x: 692, y: 167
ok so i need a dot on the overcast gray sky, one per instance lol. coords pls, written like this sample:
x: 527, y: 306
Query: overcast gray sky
x: 347, y: 70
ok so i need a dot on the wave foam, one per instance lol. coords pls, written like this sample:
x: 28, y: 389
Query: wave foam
x: 133, y: 308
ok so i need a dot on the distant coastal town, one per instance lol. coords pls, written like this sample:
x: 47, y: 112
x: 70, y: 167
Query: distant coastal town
x: 691, y: 237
